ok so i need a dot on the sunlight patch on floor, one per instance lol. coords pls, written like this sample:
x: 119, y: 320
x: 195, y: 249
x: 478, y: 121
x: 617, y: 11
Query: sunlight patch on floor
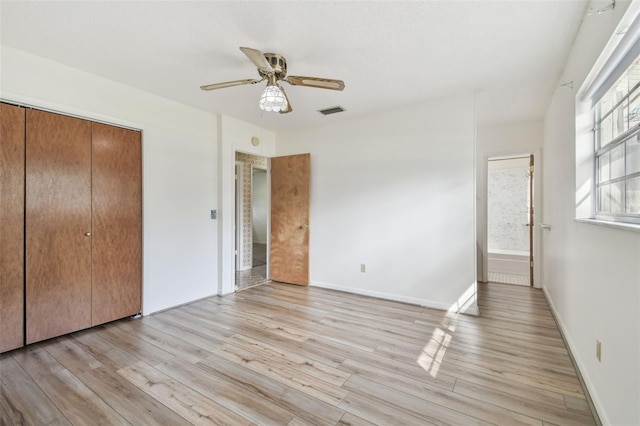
x: 433, y: 353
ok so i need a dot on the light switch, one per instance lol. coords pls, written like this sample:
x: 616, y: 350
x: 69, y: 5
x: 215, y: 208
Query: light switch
x: 214, y: 214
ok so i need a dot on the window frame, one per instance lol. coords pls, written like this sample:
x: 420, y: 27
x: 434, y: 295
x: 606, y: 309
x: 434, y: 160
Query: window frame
x: 616, y: 142
x: 616, y: 58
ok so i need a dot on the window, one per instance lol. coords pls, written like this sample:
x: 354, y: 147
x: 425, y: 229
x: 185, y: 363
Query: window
x: 607, y: 132
x: 617, y: 148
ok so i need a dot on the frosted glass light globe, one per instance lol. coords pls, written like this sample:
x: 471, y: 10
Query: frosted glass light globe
x: 273, y: 99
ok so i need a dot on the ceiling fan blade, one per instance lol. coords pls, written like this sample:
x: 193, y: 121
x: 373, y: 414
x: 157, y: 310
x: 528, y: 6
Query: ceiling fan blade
x: 321, y: 83
x: 258, y: 59
x: 288, y: 109
x: 230, y: 84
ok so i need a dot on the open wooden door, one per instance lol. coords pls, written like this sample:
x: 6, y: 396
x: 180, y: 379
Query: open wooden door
x: 290, y: 178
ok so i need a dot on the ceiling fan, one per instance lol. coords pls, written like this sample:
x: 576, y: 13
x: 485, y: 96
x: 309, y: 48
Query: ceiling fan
x: 273, y: 68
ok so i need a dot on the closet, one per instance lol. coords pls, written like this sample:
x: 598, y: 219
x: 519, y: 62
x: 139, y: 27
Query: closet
x: 82, y: 225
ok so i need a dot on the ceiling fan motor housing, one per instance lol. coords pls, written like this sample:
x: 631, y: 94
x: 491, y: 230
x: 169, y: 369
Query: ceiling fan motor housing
x: 278, y: 63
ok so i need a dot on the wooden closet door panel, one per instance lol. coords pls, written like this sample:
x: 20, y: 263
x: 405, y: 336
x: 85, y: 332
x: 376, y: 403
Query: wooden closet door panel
x: 12, y: 127
x: 58, y: 216
x: 117, y: 223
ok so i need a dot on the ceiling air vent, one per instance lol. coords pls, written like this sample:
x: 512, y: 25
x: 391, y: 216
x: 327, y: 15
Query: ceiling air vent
x: 332, y: 110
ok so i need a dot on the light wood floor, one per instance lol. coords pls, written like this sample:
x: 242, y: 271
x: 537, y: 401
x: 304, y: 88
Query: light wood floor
x: 287, y: 355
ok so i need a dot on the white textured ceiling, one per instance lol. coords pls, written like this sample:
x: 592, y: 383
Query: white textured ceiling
x: 390, y: 54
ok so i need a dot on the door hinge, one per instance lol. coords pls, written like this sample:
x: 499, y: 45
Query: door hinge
x: 531, y: 169
x: 236, y: 176
x: 235, y: 252
x: 531, y: 263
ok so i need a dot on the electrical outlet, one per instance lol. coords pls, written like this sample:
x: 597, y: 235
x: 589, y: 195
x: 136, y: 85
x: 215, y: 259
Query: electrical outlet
x: 363, y: 267
x: 599, y: 350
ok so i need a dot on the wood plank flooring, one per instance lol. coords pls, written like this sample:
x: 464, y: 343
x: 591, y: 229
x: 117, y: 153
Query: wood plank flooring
x: 287, y: 355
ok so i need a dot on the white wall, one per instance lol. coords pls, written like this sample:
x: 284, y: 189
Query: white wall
x: 395, y: 192
x: 502, y: 140
x: 591, y: 273
x: 179, y: 173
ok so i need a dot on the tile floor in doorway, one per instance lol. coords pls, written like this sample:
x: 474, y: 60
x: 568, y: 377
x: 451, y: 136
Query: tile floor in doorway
x: 251, y: 277
x: 497, y: 277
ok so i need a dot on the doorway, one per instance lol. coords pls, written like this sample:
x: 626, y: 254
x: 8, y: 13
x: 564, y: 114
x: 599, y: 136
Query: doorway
x: 510, y: 220
x: 259, y: 216
x: 252, y: 221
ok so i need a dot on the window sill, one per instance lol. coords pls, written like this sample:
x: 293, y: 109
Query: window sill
x: 617, y: 225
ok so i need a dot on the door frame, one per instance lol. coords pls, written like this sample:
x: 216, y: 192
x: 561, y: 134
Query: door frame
x: 239, y: 211
x: 482, y: 236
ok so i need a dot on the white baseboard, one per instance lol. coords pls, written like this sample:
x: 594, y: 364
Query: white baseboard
x: 382, y: 295
x: 595, y: 403
x: 158, y: 310
x: 472, y: 310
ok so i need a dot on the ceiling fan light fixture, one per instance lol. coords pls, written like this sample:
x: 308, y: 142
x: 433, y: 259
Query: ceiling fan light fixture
x: 273, y: 68
x: 273, y: 99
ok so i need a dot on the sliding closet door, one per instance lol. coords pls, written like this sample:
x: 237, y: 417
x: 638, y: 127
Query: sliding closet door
x: 117, y: 223
x: 12, y: 122
x: 58, y: 225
